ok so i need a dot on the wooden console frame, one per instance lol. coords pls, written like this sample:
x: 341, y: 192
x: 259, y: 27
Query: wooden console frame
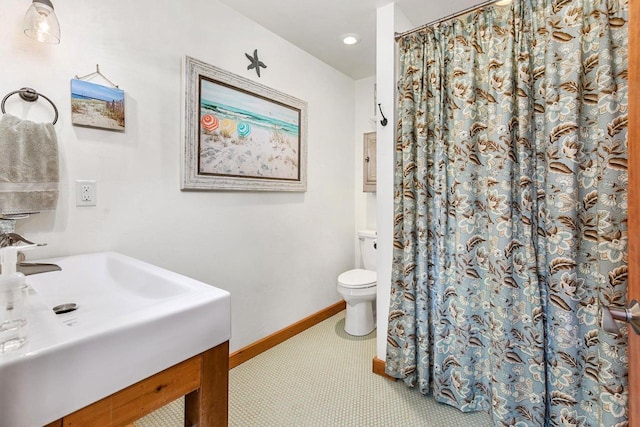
x: 203, y: 380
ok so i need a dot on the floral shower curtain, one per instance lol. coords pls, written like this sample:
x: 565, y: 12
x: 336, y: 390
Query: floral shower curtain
x: 510, y: 213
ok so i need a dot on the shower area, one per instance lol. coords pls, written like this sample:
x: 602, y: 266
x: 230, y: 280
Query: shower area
x: 510, y: 232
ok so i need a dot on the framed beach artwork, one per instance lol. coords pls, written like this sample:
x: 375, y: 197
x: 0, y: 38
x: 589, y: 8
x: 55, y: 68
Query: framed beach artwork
x: 96, y: 106
x: 239, y: 134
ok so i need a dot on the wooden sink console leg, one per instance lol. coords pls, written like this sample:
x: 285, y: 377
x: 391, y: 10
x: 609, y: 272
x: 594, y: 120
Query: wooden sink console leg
x: 208, y: 406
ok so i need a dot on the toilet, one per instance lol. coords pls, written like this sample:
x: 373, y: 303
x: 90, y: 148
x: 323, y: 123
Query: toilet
x: 358, y: 288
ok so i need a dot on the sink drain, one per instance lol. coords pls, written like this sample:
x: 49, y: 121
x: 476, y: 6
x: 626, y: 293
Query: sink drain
x: 65, y: 308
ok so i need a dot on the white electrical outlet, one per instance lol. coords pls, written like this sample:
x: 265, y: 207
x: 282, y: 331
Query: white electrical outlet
x: 86, y: 193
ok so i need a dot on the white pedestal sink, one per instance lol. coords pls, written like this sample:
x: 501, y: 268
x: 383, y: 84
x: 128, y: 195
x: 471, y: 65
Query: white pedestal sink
x: 133, y: 320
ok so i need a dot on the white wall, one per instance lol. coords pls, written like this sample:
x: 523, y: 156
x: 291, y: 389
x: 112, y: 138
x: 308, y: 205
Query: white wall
x: 277, y: 253
x: 389, y: 20
x: 365, y: 121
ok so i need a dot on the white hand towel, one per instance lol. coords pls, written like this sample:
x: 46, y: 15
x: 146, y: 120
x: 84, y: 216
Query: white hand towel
x: 28, y: 166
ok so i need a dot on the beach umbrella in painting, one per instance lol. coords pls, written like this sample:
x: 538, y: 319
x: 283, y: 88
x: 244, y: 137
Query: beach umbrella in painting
x: 210, y: 122
x: 228, y: 127
x: 244, y: 129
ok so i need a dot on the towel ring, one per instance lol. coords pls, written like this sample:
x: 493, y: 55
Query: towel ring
x: 29, y: 95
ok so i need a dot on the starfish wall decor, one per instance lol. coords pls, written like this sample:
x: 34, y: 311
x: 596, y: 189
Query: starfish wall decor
x: 255, y: 62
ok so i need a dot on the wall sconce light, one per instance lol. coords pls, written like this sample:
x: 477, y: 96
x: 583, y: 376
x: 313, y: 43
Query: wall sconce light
x: 41, y: 23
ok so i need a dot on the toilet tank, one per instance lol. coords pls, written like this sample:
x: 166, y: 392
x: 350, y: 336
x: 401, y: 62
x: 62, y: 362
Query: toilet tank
x: 368, y: 243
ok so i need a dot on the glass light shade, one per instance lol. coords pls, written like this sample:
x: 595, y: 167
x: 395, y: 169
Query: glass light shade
x: 41, y: 23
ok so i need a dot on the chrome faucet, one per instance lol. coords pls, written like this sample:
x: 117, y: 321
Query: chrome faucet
x: 26, y: 268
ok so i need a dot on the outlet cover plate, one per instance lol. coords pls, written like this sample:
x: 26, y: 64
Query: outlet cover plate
x: 86, y: 192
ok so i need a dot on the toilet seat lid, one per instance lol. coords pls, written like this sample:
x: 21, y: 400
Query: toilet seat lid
x: 358, y: 278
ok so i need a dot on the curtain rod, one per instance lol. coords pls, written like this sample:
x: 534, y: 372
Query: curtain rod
x: 451, y: 16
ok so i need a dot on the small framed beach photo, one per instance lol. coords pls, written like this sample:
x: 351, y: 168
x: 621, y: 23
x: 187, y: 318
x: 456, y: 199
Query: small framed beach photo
x: 96, y: 106
x: 239, y: 134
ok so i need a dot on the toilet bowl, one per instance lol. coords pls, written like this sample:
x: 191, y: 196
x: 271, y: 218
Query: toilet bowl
x: 358, y: 288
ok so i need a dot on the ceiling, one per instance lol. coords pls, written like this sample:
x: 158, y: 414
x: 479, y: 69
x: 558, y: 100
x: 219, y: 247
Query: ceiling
x: 316, y: 26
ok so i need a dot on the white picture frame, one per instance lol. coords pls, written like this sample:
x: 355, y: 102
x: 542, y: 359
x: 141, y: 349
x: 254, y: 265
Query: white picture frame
x: 239, y: 134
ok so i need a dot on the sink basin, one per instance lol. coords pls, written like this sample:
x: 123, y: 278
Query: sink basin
x: 133, y: 319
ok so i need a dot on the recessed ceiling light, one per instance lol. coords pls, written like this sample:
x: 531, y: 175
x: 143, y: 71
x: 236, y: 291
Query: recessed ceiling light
x: 503, y: 2
x: 350, y: 38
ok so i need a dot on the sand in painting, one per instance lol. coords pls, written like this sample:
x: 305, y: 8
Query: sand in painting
x: 94, y: 113
x: 263, y: 154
